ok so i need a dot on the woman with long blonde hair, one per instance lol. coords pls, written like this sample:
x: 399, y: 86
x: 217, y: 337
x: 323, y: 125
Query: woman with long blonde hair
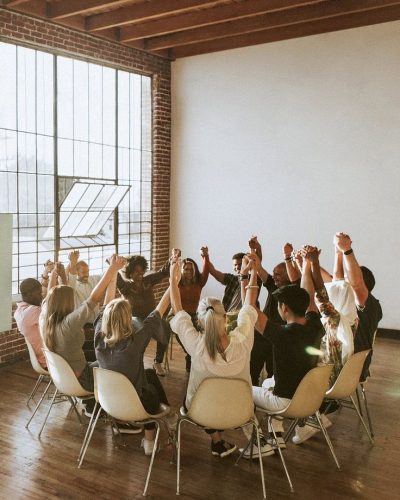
x: 120, y: 347
x: 62, y: 325
x: 214, y: 353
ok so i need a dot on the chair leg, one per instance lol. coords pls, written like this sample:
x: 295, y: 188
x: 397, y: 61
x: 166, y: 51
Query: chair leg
x: 88, y: 435
x: 39, y: 403
x: 48, y: 413
x: 250, y: 442
x: 362, y: 420
x: 280, y: 454
x: 364, y: 396
x: 255, y: 428
x: 73, y: 405
x: 178, y: 459
x: 358, y: 401
x: 34, y: 390
x: 290, y: 430
x: 327, y: 438
x: 152, y: 458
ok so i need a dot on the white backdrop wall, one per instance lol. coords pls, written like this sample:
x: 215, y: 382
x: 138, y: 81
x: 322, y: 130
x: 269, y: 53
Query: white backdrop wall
x: 292, y: 141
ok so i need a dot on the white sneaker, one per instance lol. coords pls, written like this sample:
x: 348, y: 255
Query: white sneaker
x: 306, y: 432
x: 325, y: 420
x: 266, y: 450
x: 159, y: 369
x: 148, y: 446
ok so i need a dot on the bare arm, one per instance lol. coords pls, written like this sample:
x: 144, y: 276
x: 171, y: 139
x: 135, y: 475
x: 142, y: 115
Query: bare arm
x: 110, y: 292
x: 255, y: 245
x: 354, y: 273
x: 291, y: 268
x: 175, y: 276
x: 206, y: 266
x: 338, y: 271
x: 307, y: 283
x: 116, y: 263
x: 163, y: 305
x: 216, y: 274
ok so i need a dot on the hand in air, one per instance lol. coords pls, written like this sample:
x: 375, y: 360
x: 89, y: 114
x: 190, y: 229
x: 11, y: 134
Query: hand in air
x: 342, y: 242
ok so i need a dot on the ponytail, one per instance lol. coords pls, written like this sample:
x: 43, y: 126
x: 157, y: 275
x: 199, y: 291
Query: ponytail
x: 211, y: 313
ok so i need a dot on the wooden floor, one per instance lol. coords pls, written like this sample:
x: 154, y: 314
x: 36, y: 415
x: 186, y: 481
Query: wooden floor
x: 46, y: 468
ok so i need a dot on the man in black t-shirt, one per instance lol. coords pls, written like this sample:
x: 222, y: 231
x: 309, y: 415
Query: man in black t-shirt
x: 368, y: 307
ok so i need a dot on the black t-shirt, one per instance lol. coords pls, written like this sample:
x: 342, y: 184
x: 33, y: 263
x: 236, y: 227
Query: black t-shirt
x: 369, y: 317
x: 292, y: 360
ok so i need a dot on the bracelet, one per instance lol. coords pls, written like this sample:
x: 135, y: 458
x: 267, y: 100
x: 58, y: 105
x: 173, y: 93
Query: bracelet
x: 243, y: 277
x: 251, y: 287
x: 348, y: 252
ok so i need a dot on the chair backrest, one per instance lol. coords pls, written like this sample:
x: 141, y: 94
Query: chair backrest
x: 309, y: 393
x: 63, y: 375
x: 222, y: 403
x: 349, y: 376
x: 34, y: 361
x: 117, y: 396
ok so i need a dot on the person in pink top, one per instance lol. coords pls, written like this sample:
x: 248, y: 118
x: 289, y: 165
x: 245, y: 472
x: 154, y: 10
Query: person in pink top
x: 27, y: 316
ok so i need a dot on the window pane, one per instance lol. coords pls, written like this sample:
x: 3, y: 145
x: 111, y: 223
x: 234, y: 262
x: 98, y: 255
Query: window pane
x: 136, y: 164
x: 91, y: 193
x: 109, y: 106
x: 81, y: 159
x: 84, y: 227
x: 123, y: 164
x: 95, y: 103
x: 69, y: 221
x: 146, y: 196
x: 44, y: 91
x: 81, y: 100
x: 108, y: 162
x: 8, y: 86
x: 65, y: 157
x: 123, y: 109
x: 45, y: 154
x: 136, y: 111
x: 146, y: 166
x: 74, y: 196
x: 45, y: 185
x: 95, y: 160
x: 8, y: 150
x: 27, y: 193
x: 26, y: 89
x: 26, y: 152
x: 8, y: 192
x: 146, y: 113
x: 65, y: 97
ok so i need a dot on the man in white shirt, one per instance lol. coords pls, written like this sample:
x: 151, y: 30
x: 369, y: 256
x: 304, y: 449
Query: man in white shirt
x: 79, y: 278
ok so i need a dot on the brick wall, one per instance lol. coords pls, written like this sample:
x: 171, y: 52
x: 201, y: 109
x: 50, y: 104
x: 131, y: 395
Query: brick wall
x: 37, y: 33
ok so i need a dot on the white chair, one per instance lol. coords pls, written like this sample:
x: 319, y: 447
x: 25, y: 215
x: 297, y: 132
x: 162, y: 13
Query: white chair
x: 220, y: 403
x: 305, y: 403
x: 65, y: 381
x: 118, y: 398
x: 346, y: 384
x: 42, y: 372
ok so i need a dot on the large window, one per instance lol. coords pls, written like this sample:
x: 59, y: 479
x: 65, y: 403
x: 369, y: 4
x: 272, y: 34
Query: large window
x: 75, y: 159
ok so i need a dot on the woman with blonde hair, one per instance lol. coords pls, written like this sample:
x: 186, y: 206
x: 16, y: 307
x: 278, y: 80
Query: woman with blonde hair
x: 62, y: 325
x: 215, y: 353
x: 120, y: 344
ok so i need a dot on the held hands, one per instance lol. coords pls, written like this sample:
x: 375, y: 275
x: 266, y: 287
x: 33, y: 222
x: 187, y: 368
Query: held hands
x: 287, y: 249
x: 175, y: 255
x: 254, y: 244
x: 204, y: 252
x: 59, y: 267
x: 342, y: 242
x: 48, y: 266
x: 117, y: 262
x: 310, y: 253
x: 73, y: 257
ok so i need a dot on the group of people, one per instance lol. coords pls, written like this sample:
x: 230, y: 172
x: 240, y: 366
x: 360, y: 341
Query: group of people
x: 310, y: 316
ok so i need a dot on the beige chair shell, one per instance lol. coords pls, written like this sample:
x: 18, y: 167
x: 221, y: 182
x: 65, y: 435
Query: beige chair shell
x: 115, y: 394
x: 220, y: 403
x: 38, y: 369
x: 349, y: 377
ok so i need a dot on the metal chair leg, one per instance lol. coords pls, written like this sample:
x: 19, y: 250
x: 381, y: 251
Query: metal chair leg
x: 358, y: 401
x: 39, y: 403
x: 327, y: 438
x: 88, y: 435
x: 35, y: 389
x: 48, y: 412
x: 270, y: 425
x: 73, y: 405
x: 290, y: 430
x: 256, y: 429
x: 178, y: 460
x: 362, y: 420
x: 364, y: 396
x: 152, y: 459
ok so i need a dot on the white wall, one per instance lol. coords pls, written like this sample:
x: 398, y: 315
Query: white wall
x: 292, y: 141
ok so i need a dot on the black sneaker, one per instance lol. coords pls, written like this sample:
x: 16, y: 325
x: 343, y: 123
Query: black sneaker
x: 222, y: 448
x: 126, y: 428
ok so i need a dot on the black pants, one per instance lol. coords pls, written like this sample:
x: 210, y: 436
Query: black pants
x: 260, y: 354
x: 161, y: 348
x: 87, y: 382
x: 152, y: 395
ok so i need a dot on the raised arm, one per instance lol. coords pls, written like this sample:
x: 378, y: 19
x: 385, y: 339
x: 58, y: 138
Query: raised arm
x: 255, y: 245
x: 206, y: 266
x: 112, y: 285
x: 175, y: 296
x: 116, y: 263
x: 354, y: 273
x: 291, y: 268
x: 164, y: 303
x: 338, y: 271
x: 216, y: 274
x: 306, y: 277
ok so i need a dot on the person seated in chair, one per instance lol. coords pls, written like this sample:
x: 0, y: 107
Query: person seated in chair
x: 27, y: 316
x: 120, y: 347
x: 213, y: 352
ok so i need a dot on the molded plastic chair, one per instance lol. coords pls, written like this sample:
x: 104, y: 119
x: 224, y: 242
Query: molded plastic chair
x: 220, y: 403
x: 305, y: 403
x: 361, y: 388
x: 43, y: 373
x: 65, y: 381
x: 346, y: 384
x: 117, y: 396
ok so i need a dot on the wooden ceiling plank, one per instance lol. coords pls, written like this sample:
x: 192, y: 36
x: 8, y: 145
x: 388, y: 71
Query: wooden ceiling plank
x: 143, y: 11
x: 348, y: 21
x: 207, y: 16
x: 269, y: 20
x: 13, y: 3
x: 60, y: 10
x: 35, y: 7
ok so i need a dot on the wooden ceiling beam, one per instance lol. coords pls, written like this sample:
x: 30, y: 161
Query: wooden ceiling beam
x: 348, y: 21
x: 35, y: 7
x: 143, y: 11
x: 12, y: 3
x: 206, y: 17
x: 61, y: 10
x: 267, y: 21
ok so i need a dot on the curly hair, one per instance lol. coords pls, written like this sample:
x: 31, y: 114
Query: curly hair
x: 136, y: 260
